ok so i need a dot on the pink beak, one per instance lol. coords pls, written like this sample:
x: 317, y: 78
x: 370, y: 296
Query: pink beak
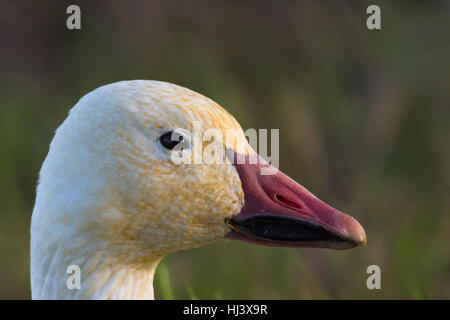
x: 278, y: 211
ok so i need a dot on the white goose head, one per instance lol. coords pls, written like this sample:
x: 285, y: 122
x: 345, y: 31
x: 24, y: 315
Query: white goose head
x: 112, y: 201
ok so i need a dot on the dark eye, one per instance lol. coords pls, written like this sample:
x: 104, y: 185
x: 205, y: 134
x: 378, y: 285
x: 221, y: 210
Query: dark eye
x: 170, y: 139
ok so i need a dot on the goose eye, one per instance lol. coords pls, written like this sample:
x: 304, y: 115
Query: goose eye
x: 171, y: 139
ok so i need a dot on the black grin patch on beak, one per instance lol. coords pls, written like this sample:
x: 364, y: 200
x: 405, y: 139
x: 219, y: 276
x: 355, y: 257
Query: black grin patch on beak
x: 282, y: 229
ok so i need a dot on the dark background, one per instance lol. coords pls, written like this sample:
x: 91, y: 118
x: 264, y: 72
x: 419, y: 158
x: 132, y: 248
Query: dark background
x: 363, y: 118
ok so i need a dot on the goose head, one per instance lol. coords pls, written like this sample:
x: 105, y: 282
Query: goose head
x: 127, y: 181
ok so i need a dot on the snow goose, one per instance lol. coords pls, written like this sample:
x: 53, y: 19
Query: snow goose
x: 112, y: 201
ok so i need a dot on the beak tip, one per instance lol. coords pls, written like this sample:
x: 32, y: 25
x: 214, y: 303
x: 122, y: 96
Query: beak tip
x: 356, y: 233
x: 361, y: 241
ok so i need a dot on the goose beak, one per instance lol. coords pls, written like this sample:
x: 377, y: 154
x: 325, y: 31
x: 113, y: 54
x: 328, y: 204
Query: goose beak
x: 278, y: 211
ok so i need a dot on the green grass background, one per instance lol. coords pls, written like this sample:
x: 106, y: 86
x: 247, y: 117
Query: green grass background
x: 363, y: 118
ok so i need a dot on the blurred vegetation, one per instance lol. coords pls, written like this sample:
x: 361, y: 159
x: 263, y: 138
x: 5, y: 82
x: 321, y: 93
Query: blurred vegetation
x: 363, y: 117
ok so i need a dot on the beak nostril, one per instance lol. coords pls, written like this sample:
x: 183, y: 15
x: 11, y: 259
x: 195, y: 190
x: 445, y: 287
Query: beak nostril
x: 295, y: 205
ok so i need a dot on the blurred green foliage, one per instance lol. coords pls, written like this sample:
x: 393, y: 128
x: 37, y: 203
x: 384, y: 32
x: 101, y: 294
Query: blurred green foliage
x: 363, y: 117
